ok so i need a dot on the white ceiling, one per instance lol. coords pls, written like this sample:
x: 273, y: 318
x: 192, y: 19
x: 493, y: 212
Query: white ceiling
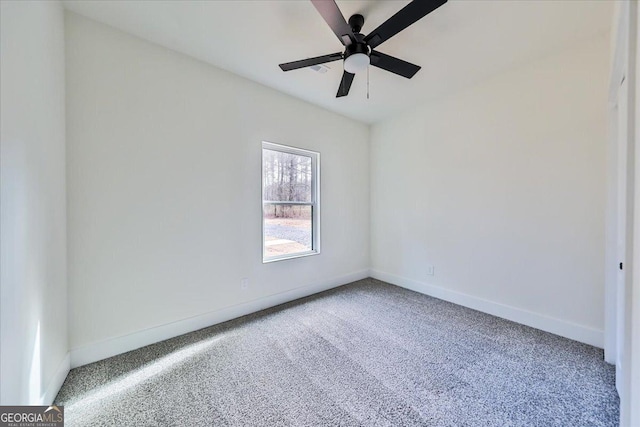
x: 456, y: 45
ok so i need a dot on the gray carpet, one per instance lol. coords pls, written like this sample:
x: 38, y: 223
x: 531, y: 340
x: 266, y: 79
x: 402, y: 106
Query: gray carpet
x: 365, y: 354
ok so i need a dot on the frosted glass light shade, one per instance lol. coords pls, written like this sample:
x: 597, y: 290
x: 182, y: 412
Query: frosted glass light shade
x: 356, y: 62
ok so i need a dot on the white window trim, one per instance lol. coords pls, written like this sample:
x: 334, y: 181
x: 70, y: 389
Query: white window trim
x: 315, y: 199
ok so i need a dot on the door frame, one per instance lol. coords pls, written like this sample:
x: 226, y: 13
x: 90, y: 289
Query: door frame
x: 622, y: 288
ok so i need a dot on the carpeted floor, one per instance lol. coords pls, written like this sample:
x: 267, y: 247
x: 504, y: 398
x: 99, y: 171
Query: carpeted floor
x: 365, y: 354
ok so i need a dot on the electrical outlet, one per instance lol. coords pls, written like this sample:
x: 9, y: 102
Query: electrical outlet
x: 430, y: 270
x: 244, y: 283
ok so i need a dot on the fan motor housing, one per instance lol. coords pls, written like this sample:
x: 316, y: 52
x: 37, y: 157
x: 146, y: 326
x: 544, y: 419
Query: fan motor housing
x: 356, y: 48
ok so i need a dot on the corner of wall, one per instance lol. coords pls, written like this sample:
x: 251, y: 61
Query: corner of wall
x: 56, y: 382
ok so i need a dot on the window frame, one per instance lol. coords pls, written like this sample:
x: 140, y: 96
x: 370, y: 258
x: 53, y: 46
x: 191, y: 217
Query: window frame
x: 314, y: 203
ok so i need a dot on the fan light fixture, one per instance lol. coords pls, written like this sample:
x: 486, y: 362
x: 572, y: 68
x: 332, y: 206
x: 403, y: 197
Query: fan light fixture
x: 356, y: 62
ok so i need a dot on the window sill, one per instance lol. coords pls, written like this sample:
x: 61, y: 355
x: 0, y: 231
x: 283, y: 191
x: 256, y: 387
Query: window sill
x: 292, y: 256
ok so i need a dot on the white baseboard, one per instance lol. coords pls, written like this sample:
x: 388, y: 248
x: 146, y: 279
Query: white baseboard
x: 563, y: 328
x: 56, y: 382
x: 111, y: 347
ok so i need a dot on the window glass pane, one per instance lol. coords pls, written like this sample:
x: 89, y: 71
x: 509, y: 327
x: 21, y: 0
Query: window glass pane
x: 286, y: 177
x: 287, y: 229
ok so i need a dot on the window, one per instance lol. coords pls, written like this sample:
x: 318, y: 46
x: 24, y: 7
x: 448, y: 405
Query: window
x: 290, y: 202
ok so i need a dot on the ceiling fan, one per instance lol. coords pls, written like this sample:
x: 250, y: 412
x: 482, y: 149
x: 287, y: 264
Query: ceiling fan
x: 359, y: 53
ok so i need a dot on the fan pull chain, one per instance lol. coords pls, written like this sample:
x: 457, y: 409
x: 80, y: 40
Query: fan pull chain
x: 367, y: 81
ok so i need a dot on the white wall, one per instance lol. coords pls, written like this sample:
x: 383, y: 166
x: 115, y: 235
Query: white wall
x: 33, y: 306
x: 164, y: 204
x: 502, y: 188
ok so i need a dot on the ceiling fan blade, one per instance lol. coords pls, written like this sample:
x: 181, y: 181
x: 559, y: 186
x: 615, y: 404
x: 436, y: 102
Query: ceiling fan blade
x: 345, y: 84
x: 393, y: 64
x: 409, y: 14
x: 332, y: 15
x: 310, y: 61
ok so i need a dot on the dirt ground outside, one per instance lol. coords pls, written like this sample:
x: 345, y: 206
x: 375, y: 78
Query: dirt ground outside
x: 286, y: 236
